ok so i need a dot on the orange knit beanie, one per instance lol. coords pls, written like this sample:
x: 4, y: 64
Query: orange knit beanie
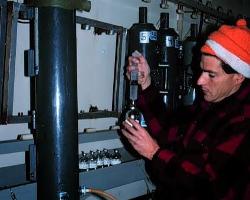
x: 232, y: 45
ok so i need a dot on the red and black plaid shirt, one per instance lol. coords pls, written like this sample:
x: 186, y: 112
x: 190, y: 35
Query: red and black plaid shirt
x: 205, y: 149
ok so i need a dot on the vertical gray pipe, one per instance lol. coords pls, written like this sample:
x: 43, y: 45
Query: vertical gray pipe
x: 56, y: 95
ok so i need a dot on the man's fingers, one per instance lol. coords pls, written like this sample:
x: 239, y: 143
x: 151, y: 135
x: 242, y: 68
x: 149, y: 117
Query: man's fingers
x: 130, y: 127
x: 133, y: 61
x: 141, y: 75
x: 135, y: 124
x: 131, y: 138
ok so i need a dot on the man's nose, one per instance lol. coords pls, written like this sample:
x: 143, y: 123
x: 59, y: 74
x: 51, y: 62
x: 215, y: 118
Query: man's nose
x: 201, y: 80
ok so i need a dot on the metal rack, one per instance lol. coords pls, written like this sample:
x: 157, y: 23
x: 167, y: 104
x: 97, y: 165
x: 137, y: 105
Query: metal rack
x: 206, y: 9
x: 13, y: 11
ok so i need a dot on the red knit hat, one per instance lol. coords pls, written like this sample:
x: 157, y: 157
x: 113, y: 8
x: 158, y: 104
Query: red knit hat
x: 232, y: 45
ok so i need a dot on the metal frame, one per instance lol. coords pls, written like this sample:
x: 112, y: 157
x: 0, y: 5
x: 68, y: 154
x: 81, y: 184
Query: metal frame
x: 9, y: 60
x: 13, y: 146
x: 19, y: 119
x: 9, y: 64
x: 3, y: 22
x: 119, y: 82
x: 121, y: 34
x: 10, y: 11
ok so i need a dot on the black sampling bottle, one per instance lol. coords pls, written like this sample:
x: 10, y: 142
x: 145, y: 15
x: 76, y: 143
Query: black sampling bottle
x: 142, y: 36
x: 168, y: 47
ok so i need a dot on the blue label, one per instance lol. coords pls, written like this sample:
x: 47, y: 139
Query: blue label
x: 153, y: 35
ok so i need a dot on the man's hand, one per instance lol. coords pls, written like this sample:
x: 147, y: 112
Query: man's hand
x: 140, y: 63
x: 140, y: 139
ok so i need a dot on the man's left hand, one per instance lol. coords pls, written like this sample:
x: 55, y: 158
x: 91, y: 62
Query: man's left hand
x: 139, y: 138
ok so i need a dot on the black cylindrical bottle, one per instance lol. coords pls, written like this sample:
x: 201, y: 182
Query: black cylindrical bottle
x: 168, y: 42
x: 168, y: 46
x: 143, y: 37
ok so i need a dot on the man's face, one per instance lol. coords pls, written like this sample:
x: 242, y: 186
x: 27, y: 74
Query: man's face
x: 215, y: 83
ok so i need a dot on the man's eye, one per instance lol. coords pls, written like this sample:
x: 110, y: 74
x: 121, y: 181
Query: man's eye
x: 211, y: 75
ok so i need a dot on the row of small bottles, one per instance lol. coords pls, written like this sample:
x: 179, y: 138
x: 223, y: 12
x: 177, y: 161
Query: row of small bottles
x: 99, y: 159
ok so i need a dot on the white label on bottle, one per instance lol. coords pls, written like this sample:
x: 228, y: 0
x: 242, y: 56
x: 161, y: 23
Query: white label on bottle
x: 115, y: 161
x: 170, y: 41
x: 83, y: 165
x: 99, y: 162
x: 144, y: 37
x: 106, y: 161
x: 92, y: 165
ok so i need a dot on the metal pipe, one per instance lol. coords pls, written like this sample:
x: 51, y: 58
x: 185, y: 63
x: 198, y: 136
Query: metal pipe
x: 3, y: 24
x: 56, y: 96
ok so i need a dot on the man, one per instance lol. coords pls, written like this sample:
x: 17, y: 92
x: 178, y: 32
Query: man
x: 203, y: 152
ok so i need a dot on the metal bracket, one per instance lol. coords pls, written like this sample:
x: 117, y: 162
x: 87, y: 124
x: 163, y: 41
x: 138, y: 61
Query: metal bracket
x: 30, y: 160
x: 21, y: 11
x: 30, y: 69
x: 32, y: 121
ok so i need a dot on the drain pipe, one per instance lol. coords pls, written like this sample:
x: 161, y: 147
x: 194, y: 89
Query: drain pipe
x: 56, y: 101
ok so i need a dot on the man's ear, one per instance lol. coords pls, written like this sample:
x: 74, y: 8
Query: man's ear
x: 239, y: 78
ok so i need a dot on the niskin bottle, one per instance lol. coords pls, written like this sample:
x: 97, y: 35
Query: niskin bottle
x: 142, y: 37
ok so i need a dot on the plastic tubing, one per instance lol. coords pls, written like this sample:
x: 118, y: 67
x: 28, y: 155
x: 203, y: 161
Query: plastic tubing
x: 101, y: 193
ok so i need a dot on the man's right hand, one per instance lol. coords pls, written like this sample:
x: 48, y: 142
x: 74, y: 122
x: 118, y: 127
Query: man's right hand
x: 141, y: 64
